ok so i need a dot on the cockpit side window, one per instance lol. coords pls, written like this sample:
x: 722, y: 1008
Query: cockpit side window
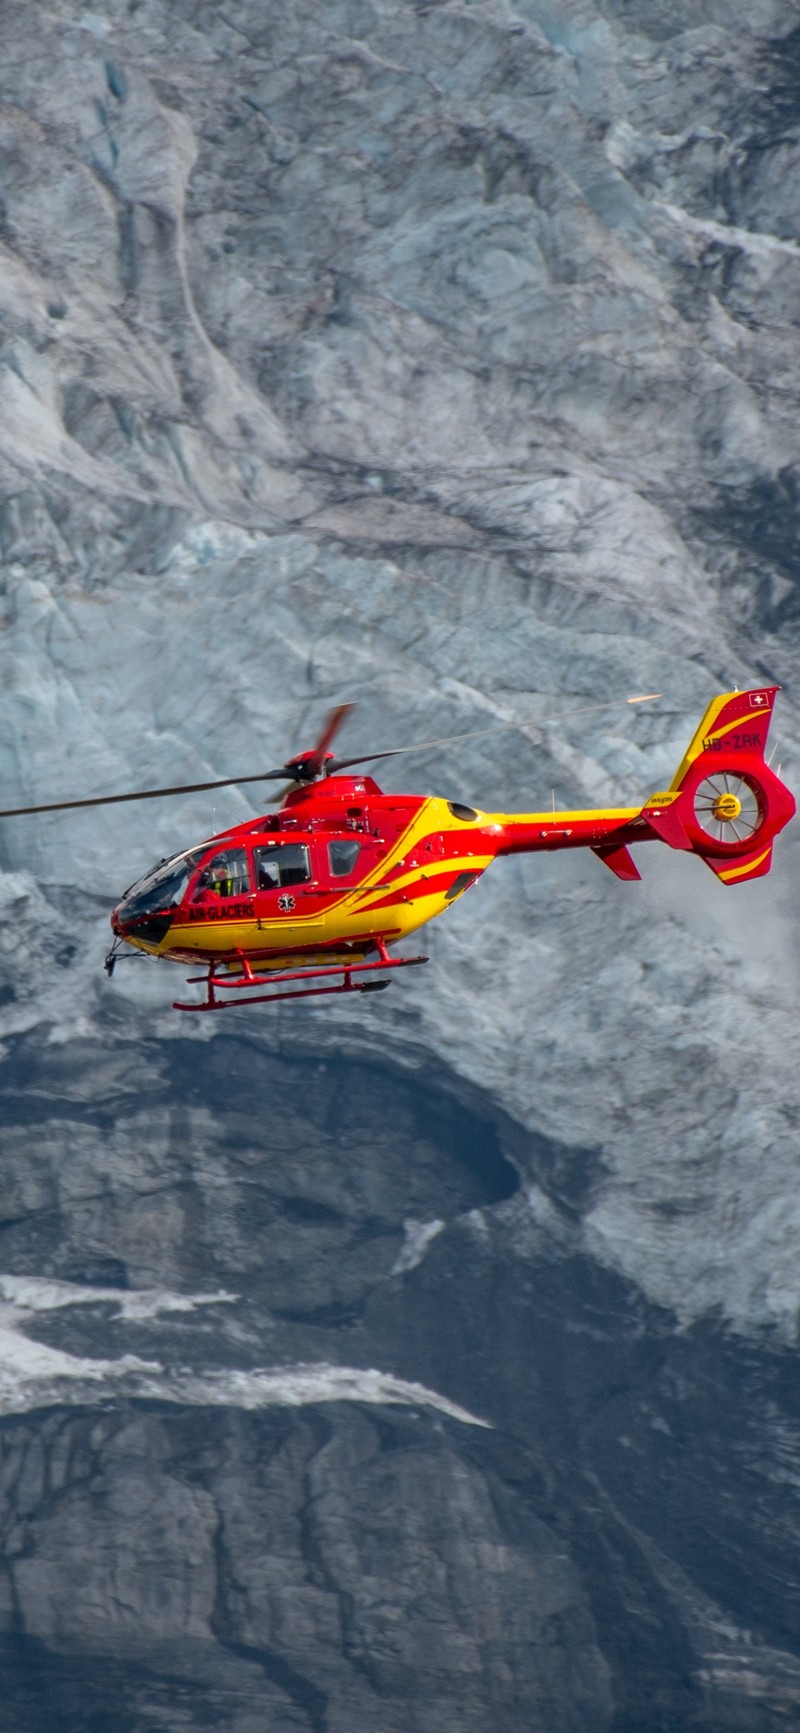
x: 343, y: 855
x: 282, y: 863
x: 227, y: 875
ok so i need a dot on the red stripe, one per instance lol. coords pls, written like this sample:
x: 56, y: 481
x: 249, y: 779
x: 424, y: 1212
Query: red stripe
x: 428, y: 886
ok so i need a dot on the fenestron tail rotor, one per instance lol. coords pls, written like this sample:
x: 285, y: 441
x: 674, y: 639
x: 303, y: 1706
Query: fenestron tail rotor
x: 729, y: 808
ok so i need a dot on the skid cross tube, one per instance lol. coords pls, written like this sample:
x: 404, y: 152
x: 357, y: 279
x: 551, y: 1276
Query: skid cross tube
x: 211, y: 982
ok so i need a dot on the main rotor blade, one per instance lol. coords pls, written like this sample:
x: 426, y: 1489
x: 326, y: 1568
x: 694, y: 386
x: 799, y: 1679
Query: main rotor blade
x: 500, y: 728
x: 143, y: 794
x: 330, y: 730
x: 283, y: 774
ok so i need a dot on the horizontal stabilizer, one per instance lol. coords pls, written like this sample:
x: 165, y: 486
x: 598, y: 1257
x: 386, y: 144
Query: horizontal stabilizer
x: 619, y: 859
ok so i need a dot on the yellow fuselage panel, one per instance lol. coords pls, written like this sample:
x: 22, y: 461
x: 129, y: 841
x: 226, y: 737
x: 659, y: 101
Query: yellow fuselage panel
x: 407, y: 887
x: 410, y: 884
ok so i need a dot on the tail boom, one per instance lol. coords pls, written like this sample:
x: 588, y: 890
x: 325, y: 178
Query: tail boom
x: 723, y: 804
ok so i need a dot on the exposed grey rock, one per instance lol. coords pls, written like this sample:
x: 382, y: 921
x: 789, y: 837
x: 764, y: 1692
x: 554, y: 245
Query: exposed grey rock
x: 372, y: 1572
x: 628, y: 1467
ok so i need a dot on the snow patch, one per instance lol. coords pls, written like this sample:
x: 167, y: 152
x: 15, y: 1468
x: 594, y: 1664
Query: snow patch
x: 35, y: 1375
x: 753, y: 241
x: 295, y: 1386
x: 418, y: 1237
x: 41, y: 1294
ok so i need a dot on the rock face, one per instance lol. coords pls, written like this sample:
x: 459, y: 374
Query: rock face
x: 537, y: 1510
x: 332, y: 1572
x: 429, y: 1364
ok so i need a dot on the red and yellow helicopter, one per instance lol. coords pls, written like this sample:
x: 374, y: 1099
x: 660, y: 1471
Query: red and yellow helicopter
x: 318, y: 892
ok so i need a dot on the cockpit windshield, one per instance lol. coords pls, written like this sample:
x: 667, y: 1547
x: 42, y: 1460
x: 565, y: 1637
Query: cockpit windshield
x: 163, y: 888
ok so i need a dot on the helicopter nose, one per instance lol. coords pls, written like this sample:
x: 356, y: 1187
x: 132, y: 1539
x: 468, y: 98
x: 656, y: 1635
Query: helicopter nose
x: 122, y: 922
x: 152, y: 927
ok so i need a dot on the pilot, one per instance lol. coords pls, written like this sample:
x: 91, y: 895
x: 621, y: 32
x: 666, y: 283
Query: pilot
x: 220, y: 883
x: 213, y: 882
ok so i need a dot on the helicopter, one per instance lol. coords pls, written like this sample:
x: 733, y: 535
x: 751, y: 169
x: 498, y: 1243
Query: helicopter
x: 327, y: 885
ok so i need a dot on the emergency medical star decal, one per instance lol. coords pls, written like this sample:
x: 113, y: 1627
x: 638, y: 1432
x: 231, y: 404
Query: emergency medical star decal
x: 286, y: 904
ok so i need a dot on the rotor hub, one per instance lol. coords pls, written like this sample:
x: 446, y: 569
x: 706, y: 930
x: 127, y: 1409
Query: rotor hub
x: 727, y: 807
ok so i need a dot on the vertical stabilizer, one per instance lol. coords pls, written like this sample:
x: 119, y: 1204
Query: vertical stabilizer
x: 735, y: 722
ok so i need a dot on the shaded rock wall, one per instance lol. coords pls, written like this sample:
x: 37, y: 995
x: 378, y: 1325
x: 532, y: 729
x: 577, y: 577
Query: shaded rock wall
x: 611, y: 1544
x: 357, y: 1572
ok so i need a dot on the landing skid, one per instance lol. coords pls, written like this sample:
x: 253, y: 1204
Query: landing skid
x: 248, y: 980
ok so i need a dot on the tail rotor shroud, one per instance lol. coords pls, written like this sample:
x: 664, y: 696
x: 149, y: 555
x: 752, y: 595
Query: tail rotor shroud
x: 725, y: 803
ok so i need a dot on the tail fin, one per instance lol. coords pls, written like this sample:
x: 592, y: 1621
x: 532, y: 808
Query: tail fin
x: 735, y: 723
x: 724, y: 803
